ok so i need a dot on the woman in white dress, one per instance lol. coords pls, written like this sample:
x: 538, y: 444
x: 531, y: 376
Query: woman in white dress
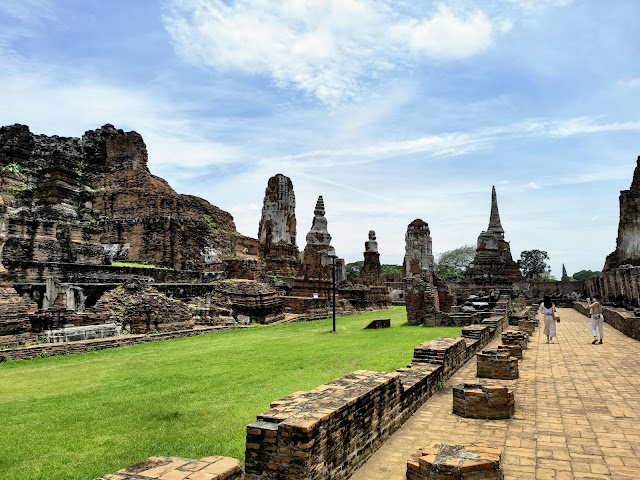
x: 547, y: 307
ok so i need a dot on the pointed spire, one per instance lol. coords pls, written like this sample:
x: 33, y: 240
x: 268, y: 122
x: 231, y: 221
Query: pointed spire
x: 494, y: 220
x: 319, y: 211
x: 564, y: 271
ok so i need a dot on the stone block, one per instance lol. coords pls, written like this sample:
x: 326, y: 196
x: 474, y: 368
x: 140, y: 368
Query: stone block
x: 483, y: 401
x: 497, y: 364
x: 456, y: 462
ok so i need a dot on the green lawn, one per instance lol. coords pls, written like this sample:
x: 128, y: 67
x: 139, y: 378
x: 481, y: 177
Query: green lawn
x: 82, y: 416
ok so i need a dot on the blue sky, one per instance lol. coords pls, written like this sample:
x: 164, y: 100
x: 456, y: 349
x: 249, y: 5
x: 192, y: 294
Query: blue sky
x: 391, y: 110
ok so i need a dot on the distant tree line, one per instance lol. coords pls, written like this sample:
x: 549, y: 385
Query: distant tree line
x: 452, y: 266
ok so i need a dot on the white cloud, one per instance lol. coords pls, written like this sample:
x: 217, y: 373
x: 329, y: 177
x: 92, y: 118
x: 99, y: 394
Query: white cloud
x: 447, y: 36
x: 533, y: 185
x: 328, y: 48
x: 453, y: 143
x: 28, y: 11
x: 70, y: 101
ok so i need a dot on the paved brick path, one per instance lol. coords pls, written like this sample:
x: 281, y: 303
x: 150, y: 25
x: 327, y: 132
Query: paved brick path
x: 576, y: 412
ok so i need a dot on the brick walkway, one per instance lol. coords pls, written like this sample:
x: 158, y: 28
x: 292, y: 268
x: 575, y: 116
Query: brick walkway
x: 576, y: 412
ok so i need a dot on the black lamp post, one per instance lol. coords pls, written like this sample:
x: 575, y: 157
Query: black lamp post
x: 332, y: 254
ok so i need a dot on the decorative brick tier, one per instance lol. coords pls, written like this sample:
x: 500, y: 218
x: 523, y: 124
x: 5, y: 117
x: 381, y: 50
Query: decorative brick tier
x: 515, y: 337
x: 456, y: 462
x: 498, y: 364
x: 174, y: 468
x: 484, y: 401
x: 514, y: 350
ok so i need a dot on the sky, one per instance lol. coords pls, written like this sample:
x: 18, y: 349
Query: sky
x: 391, y: 110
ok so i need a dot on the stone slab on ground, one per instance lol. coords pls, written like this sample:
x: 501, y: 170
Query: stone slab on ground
x: 175, y: 468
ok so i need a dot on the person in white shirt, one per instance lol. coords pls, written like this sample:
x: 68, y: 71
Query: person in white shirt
x: 597, y: 319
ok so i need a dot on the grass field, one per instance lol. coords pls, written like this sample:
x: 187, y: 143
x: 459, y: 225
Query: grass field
x: 82, y: 416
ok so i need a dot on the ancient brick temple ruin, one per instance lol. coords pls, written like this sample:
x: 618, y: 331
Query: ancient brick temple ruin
x: 493, y: 268
x: 426, y: 294
x: 316, y: 261
x: 418, y: 250
x: 619, y: 282
x: 371, y: 273
x: 277, y: 228
x: 81, y: 211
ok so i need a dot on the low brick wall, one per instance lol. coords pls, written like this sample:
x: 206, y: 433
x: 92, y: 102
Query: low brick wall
x: 52, y: 349
x: 619, y: 318
x: 330, y: 431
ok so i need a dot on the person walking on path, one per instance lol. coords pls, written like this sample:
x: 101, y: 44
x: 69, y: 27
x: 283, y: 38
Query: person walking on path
x: 547, y: 308
x: 597, y: 319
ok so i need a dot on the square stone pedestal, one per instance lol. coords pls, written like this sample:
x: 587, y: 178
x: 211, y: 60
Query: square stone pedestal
x: 482, y: 400
x: 498, y: 364
x: 456, y: 462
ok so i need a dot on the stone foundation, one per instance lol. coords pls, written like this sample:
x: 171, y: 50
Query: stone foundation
x: 88, y: 332
x: 498, y: 364
x: 83, y: 346
x: 456, y: 462
x: 483, y: 401
x: 513, y: 350
x: 174, y: 468
x: 482, y: 333
x: 515, y: 337
x: 451, y: 353
x: 527, y: 325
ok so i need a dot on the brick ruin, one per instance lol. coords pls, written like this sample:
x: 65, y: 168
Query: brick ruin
x: 438, y: 461
x: 619, y: 283
x: 483, y: 400
x: 80, y: 205
x: 331, y: 430
x: 277, y: 228
x: 316, y: 261
x: 418, y: 255
x: 371, y: 273
x: 497, y: 363
x: 426, y: 294
x: 493, y: 268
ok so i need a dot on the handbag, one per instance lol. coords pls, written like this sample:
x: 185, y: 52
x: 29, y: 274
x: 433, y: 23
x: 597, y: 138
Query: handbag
x: 556, y: 316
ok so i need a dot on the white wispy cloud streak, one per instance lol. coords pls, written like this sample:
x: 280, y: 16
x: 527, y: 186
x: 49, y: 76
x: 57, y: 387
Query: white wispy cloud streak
x: 459, y: 143
x: 327, y: 48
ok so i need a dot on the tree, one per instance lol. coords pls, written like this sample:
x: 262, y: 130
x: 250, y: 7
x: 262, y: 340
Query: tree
x: 452, y: 264
x: 387, y: 268
x: 353, y: 269
x: 583, y: 275
x: 534, y: 267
